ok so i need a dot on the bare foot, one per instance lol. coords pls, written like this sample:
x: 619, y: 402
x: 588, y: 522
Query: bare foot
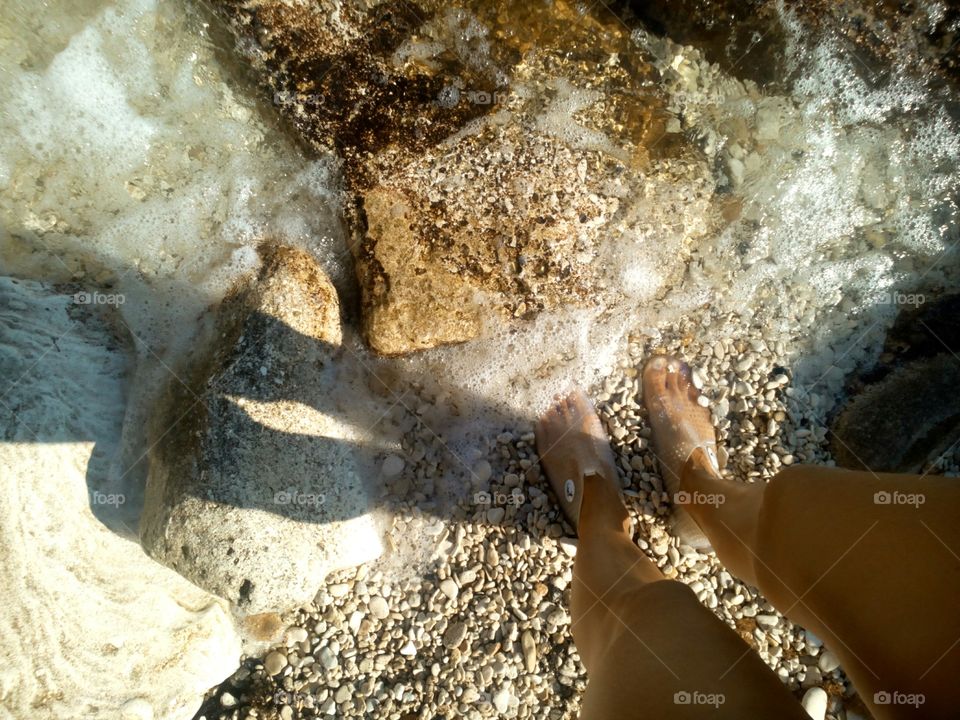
x: 681, y: 429
x: 572, y: 446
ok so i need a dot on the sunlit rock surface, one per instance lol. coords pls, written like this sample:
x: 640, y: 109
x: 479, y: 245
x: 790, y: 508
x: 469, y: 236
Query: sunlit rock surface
x: 255, y: 487
x: 486, y: 168
x: 90, y: 627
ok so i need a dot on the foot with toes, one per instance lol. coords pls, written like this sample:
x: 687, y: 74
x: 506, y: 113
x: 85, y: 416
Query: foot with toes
x: 573, y: 449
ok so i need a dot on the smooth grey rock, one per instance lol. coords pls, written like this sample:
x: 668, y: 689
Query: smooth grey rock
x: 254, y: 490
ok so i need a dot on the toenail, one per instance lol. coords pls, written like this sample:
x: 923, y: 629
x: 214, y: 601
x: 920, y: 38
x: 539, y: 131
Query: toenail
x: 570, y: 490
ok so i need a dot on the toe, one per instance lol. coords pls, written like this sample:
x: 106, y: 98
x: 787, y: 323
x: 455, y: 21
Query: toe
x: 654, y: 376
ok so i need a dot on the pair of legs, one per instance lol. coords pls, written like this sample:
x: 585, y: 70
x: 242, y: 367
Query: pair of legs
x: 870, y: 563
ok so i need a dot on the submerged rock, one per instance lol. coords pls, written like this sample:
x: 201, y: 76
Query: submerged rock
x: 906, y: 410
x: 491, y: 174
x: 255, y: 489
x: 90, y: 626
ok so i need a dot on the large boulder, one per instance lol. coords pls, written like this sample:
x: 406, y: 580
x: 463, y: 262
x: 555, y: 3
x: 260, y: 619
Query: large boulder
x: 90, y: 626
x: 255, y: 489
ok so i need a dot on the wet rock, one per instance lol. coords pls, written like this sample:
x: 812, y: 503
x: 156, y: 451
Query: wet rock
x: 905, y: 410
x: 485, y: 177
x: 254, y: 491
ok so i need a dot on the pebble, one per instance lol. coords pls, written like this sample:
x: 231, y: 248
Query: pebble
x: 529, y: 647
x: 344, y: 693
x: 379, y: 608
x: 568, y: 546
x: 449, y: 588
x: 482, y: 472
x: 501, y: 700
x: 828, y: 662
x: 408, y: 650
x: 228, y: 700
x: 338, y: 590
x: 495, y: 515
x: 327, y: 658
x: 392, y: 466
x: 274, y: 663
x: 815, y: 703
x: 295, y: 635
x: 454, y: 635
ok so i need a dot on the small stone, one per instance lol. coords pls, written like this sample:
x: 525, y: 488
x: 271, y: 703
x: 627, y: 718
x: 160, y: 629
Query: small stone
x: 275, y: 662
x: 228, y: 700
x: 482, y: 472
x: 529, y: 647
x: 767, y: 621
x: 813, y: 677
x: 392, y: 466
x: 338, y: 590
x: 828, y: 662
x: 568, y: 546
x: 492, y: 557
x: 495, y: 515
x: 449, y: 588
x: 379, y: 608
x: 501, y: 700
x: 454, y: 634
x: 408, y: 650
x: 815, y: 703
x: 327, y: 658
x: 344, y: 693
x: 295, y: 635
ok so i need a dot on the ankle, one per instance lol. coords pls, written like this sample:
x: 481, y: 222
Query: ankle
x: 602, y: 507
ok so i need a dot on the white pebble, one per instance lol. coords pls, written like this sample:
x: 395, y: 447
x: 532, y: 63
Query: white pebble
x: 815, y: 703
x: 379, y: 607
x: 449, y: 588
x: 501, y: 700
x: 828, y: 662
